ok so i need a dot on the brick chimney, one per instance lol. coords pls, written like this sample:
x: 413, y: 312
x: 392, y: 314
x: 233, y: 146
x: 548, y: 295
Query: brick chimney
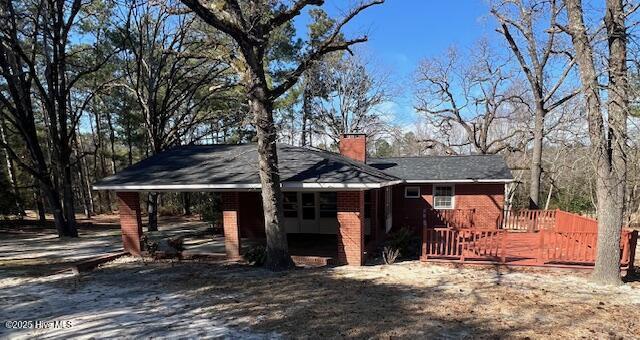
x: 354, y: 146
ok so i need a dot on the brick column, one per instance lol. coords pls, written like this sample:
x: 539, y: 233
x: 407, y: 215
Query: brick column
x: 351, y: 228
x: 231, y: 223
x: 130, y: 221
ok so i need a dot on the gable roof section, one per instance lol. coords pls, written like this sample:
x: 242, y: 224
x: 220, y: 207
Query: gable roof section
x: 434, y: 169
x: 219, y: 167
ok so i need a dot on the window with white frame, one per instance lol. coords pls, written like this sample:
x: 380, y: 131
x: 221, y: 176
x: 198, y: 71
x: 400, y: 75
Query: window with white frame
x: 443, y: 196
x: 412, y: 192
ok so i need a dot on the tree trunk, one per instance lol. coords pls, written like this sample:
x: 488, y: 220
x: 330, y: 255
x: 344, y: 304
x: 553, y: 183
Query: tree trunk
x: 100, y: 153
x: 186, y: 203
x: 546, y: 204
x: 152, y: 211
x: 609, y: 142
x: 68, y: 195
x: 306, y: 115
x: 277, y: 248
x: 11, y: 172
x: 84, y: 173
x: 129, y: 144
x: 112, y: 142
x: 84, y: 191
x: 37, y: 197
x: 59, y: 216
x: 536, y: 161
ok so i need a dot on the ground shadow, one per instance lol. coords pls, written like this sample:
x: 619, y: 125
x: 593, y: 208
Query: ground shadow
x: 164, y: 298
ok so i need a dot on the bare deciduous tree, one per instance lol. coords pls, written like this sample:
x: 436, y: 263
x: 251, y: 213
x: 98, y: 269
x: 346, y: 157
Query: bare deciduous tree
x: 529, y: 27
x: 607, y: 118
x: 352, y: 99
x: 477, y: 107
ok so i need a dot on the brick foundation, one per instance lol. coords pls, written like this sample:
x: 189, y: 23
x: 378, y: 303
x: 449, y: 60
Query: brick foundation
x: 351, y: 228
x: 231, y: 223
x: 130, y: 221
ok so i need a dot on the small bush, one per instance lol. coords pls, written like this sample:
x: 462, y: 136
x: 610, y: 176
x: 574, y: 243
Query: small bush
x: 405, y: 241
x: 390, y: 255
x: 148, y: 245
x: 256, y: 255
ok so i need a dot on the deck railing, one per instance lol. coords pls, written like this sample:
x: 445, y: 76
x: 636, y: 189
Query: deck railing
x: 528, y: 220
x: 558, y: 237
x: 566, y: 221
x: 464, y: 244
x: 567, y: 246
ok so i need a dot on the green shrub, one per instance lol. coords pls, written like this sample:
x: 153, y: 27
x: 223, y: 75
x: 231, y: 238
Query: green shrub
x: 256, y: 255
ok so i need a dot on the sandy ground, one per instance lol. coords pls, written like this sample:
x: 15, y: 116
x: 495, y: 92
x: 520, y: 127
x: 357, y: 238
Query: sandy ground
x: 131, y: 298
x: 35, y: 250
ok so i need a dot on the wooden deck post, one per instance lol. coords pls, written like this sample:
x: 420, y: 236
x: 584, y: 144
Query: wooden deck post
x: 423, y: 256
x: 540, y: 259
x: 633, y: 243
x: 503, y: 245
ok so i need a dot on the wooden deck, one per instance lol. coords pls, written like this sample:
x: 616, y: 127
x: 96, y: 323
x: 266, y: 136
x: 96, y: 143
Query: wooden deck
x: 529, y: 239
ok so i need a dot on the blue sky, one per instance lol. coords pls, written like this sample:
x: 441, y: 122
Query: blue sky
x: 403, y: 32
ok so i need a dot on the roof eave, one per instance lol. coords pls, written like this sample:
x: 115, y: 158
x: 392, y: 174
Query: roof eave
x: 467, y: 180
x: 248, y: 187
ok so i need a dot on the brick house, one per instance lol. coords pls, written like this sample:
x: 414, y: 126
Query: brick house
x: 346, y: 198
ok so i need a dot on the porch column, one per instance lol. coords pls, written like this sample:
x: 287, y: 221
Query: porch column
x: 231, y: 223
x: 351, y: 228
x: 130, y: 221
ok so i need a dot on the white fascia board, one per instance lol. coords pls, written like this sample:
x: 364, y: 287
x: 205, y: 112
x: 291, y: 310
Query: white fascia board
x: 247, y: 187
x: 453, y: 181
x: 178, y: 187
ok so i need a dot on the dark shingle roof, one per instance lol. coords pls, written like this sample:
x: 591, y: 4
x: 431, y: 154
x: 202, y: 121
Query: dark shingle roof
x: 238, y: 164
x: 445, y: 168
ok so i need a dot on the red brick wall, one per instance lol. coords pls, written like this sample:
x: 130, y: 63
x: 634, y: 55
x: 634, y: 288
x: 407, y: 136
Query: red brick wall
x: 351, y: 228
x: 231, y: 223
x: 486, y: 199
x: 130, y: 221
x: 354, y: 146
x: 407, y: 212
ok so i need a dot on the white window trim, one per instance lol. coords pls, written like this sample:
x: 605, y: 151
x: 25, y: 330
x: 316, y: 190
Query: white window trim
x: 412, y: 187
x: 453, y: 196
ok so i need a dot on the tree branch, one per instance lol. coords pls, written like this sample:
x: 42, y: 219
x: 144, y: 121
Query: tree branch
x: 327, y: 46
